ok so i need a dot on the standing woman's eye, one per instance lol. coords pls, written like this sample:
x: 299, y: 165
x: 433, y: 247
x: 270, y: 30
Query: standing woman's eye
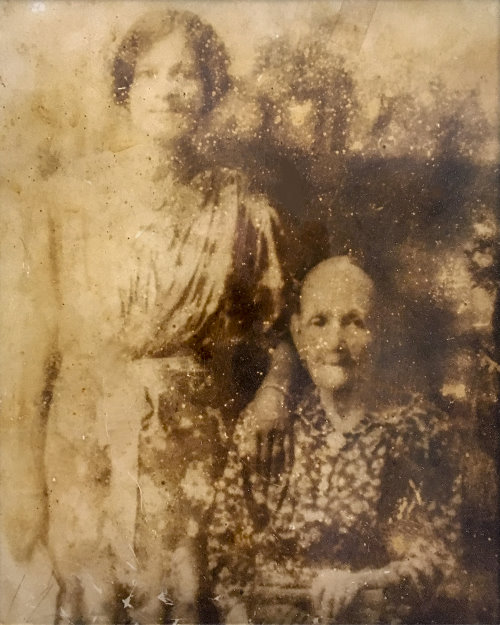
x: 185, y: 73
x: 318, y: 320
x: 146, y: 73
x: 179, y: 70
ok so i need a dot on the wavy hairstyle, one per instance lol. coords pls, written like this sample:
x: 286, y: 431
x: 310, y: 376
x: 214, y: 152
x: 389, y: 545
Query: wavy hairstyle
x: 209, y: 51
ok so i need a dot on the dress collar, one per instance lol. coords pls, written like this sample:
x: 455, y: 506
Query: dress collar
x: 311, y: 412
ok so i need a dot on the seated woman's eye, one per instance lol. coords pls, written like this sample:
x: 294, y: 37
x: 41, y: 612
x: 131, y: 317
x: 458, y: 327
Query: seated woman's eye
x: 353, y: 319
x: 358, y: 322
x: 318, y: 321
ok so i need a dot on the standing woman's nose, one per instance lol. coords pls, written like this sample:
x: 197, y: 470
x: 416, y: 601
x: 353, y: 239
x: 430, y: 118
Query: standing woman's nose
x: 168, y: 82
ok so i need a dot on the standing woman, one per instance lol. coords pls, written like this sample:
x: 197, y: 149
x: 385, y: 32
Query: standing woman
x: 153, y: 271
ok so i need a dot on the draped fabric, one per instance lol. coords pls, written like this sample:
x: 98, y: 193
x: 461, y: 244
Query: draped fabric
x: 148, y: 269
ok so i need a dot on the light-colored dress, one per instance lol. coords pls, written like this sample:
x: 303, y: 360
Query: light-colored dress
x: 137, y: 274
x: 391, y: 492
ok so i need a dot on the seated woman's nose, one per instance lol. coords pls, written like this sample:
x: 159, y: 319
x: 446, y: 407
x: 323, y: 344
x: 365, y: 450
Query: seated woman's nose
x: 333, y: 335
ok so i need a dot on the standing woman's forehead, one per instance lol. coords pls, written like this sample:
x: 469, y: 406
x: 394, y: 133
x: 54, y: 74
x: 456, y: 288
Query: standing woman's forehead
x: 172, y: 50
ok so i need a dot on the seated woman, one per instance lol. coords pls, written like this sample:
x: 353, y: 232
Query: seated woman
x: 362, y: 524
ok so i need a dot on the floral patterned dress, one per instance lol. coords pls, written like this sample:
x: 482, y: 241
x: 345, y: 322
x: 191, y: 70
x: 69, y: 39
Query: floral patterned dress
x: 391, y: 492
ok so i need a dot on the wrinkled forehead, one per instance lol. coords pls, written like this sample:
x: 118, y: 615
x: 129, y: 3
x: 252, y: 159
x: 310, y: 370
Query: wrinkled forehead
x: 336, y: 286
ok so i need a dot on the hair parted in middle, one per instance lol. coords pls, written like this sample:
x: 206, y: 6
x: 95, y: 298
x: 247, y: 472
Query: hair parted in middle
x: 209, y: 51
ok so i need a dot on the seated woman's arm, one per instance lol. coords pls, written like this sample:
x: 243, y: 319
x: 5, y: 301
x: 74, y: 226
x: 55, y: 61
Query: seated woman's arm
x: 423, y: 531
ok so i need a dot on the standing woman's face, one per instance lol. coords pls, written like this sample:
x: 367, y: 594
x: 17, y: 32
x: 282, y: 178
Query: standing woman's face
x: 166, y: 97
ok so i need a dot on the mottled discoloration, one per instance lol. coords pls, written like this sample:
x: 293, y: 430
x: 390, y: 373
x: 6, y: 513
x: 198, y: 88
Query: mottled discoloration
x: 147, y: 280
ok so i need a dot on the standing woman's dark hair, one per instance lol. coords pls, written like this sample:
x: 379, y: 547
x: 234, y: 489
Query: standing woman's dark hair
x: 209, y: 51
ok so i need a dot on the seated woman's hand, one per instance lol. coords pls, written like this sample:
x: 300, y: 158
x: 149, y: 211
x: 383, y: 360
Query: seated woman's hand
x: 333, y: 590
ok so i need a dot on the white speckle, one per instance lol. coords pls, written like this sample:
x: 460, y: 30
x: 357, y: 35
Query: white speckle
x: 165, y: 599
x: 99, y: 590
x: 38, y: 7
x: 140, y: 490
x: 458, y: 391
x: 126, y: 602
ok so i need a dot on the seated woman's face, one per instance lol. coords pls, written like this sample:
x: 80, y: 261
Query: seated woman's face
x: 166, y: 97
x: 332, y: 331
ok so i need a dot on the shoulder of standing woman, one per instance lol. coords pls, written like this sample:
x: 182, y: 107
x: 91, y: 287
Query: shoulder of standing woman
x: 218, y: 179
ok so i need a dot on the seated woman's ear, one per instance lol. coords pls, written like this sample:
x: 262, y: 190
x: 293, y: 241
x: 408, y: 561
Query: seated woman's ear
x: 296, y: 331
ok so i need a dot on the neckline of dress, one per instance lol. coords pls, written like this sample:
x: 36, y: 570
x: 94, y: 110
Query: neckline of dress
x: 318, y: 419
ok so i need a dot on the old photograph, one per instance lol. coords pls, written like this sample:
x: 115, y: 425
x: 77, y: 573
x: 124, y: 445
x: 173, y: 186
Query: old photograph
x: 250, y: 311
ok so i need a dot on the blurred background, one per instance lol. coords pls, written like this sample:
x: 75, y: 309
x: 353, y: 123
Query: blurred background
x: 373, y: 128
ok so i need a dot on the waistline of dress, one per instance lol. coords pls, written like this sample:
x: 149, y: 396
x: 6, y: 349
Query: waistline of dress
x: 177, y: 363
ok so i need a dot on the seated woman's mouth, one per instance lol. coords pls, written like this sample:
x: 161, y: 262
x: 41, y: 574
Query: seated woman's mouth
x: 337, y: 360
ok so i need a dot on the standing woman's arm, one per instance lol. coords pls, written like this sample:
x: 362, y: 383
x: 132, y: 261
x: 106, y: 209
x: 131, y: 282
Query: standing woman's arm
x: 29, y: 362
x: 257, y: 262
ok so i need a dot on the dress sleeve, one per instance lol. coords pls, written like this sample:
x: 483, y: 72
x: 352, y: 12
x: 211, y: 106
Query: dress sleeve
x: 256, y: 285
x: 422, y: 499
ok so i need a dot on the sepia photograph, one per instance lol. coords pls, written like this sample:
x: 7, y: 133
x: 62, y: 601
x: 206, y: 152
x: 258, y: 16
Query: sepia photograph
x: 249, y: 312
